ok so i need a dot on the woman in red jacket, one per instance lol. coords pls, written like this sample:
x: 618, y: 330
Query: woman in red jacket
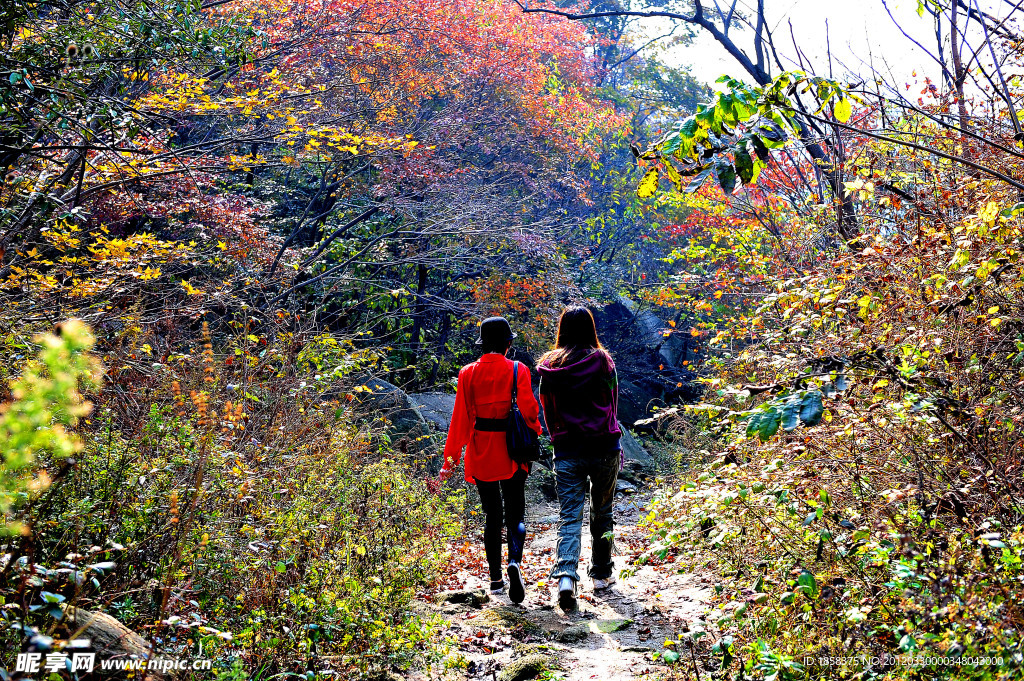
x: 483, y: 400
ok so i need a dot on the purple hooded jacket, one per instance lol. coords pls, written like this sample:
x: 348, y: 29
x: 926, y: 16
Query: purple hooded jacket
x: 581, y: 405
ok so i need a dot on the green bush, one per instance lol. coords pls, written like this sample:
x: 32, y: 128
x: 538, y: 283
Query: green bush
x: 265, y: 530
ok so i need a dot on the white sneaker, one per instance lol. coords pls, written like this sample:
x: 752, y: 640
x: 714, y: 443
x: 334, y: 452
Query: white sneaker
x: 601, y: 584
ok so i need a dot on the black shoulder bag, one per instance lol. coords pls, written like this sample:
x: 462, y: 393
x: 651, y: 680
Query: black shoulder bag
x: 520, y: 439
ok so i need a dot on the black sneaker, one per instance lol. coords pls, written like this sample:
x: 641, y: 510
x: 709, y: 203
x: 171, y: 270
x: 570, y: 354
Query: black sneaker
x: 516, y: 586
x: 497, y: 586
x: 567, y: 594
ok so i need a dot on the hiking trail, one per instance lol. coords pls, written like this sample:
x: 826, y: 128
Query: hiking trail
x: 611, y: 637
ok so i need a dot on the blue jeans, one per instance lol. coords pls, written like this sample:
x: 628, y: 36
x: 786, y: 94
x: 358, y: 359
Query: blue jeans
x: 572, y: 486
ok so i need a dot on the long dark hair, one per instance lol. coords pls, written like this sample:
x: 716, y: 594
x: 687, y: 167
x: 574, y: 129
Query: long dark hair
x: 576, y: 337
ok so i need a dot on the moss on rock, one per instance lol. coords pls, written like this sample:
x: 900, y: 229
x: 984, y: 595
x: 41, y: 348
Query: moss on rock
x: 528, y: 667
x: 507, y: 617
x: 574, y: 634
x: 611, y: 626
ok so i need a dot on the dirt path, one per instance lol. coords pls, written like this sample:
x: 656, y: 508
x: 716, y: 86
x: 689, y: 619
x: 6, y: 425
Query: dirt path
x: 612, y: 636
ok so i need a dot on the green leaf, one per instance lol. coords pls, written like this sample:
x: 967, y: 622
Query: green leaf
x: 1013, y: 211
x: 726, y: 175
x: 723, y: 647
x: 806, y: 580
x: 744, y: 106
x: 705, y: 116
x: 671, y: 143
x: 760, y: 149
x: 791, y: 414
x: 843, y: 110
x: 769, y: 424
x: 811, y: 408
x: 744, y: 164
x: 697, y: 181
x: 754, y: 424
x: 280, y: 567
x: 907, y: 643
x: 670, y: 656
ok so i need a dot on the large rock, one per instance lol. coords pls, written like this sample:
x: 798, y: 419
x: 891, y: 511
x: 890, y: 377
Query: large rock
x: 529, y: 667
x: 107, y: 637
x: 633, y: 402
x: 574, y: 634
x: 632, y: 450
x: 511, y: 618
x: 406, y: 428
x: 436, y: 408
x: 473, y: 597
x: 648, y: 354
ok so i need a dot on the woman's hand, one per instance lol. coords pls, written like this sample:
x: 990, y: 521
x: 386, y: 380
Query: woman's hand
x: 435, y: 485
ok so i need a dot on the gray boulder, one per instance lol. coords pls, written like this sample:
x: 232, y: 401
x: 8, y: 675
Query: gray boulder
x: 632, y: 402
x: 473, y: 597
x: 436, y: 408
x: 406, y: 427
x: 632, y: 450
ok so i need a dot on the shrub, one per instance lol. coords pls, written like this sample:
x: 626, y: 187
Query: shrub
x: 863, y: 498
x: 228, y: 510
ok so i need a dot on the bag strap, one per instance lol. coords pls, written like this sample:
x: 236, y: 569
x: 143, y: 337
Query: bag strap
x: 515, y: 381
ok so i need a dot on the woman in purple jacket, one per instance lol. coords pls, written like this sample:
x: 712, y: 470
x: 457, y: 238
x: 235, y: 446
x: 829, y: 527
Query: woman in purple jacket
x: 579, y: 391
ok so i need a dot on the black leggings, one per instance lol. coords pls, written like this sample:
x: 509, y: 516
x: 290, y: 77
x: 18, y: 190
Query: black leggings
x: 511, y: 494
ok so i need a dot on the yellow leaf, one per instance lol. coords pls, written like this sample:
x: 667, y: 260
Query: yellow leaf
x: 222, y: 246
x: 993, y: 309
x: 648, y: 185
x: 360, y: 550
x: 996, y: 322
x: 843, y: 110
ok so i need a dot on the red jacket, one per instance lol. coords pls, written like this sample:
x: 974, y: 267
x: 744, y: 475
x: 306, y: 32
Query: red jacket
x: 485, y: 390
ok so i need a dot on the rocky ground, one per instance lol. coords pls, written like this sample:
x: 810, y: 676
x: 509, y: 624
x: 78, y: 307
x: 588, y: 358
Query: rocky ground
x: 616, y: 634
